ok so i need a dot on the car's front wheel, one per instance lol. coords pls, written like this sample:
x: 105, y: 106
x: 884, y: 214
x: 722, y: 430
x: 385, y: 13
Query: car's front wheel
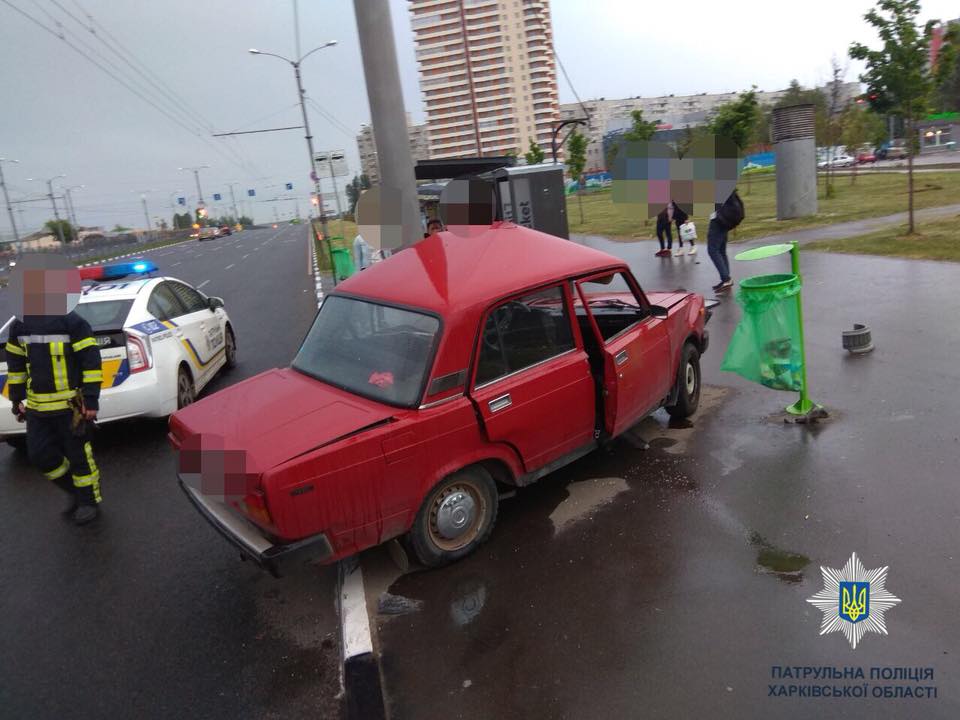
x: 456, y: 517
x: 688, y: 384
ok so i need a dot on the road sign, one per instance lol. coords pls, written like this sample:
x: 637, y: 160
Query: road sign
x: 289, y: 186
x: 181, y: 201
x: 216, y: 196
x: 331, y: 160
x: 251, y: 192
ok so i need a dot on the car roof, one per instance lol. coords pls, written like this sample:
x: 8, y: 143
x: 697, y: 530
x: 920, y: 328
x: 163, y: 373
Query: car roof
x: 449, y: 272
x: 119, y: 289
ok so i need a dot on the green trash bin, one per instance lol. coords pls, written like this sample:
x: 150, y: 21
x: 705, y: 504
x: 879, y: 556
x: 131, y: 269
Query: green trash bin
x: 767, y: 346
x: 342, y: 263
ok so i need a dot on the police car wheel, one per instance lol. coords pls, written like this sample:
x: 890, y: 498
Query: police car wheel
x: 186, y: 392
x: 230, y: 345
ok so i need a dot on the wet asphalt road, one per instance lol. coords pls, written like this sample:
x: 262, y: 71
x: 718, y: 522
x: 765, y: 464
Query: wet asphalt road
x: 666, y: 583
x: 150, y: 613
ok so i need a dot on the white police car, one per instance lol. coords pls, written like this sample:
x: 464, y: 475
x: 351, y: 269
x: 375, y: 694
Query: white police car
x: 161, y: 341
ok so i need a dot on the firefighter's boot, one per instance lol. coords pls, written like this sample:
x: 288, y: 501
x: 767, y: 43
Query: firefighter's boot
x: 65, y: 484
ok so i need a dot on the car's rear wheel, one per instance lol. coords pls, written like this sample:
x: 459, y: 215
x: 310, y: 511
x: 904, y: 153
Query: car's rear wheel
x: 456, y: 517
x: 688, y: 384
x: 18, y: 443
x: 186, y: 391
x: 230, y: 348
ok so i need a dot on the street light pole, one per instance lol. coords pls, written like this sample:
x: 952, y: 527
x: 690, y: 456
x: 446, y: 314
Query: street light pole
x: 6, y: 197
x: 71, y: 210
x: 196, y: 178
x: 306, y: 126
x: 56, y: 215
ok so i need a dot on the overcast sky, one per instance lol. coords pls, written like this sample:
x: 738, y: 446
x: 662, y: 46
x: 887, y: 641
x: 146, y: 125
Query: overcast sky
x: 61, y: 114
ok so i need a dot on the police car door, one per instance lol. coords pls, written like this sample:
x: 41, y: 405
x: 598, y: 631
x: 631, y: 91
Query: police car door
x: 203, y: 337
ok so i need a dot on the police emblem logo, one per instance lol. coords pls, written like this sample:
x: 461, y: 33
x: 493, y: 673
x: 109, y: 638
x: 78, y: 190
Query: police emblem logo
x: 854, y: 600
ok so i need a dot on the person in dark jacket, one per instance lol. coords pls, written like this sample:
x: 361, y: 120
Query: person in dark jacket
x: 54, y: 377
x: 669, y: 216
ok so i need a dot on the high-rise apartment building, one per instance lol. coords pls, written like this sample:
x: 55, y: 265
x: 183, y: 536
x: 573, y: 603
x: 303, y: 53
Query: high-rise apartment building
x: 487, y: 74
x: 367, y: 146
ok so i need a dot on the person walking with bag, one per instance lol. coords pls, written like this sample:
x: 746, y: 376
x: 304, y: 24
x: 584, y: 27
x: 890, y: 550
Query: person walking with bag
x: 727, y: 215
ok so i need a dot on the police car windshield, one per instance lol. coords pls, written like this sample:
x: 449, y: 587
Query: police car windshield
x: 372, y: 350
x: 105, y: 315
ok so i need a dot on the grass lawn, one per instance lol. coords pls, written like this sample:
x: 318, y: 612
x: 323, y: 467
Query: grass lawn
x: 936, y: 240
x: 872, y: 195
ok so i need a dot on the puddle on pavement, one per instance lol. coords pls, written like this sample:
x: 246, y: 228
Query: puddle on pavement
x: 584, y: 498
x: 397, y: 605
x: 785, y: 565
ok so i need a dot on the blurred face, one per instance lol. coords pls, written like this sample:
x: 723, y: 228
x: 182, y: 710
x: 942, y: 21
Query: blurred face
x: 434, y: 228
x: 45, y: 285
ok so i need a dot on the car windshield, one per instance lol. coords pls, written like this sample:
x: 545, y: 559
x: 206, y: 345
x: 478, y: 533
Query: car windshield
x: 373, y: 350
x: 105, y: 315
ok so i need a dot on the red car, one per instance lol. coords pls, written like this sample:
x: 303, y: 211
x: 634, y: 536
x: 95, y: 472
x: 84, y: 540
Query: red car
x: 427, y: 383
x: 866, y: 157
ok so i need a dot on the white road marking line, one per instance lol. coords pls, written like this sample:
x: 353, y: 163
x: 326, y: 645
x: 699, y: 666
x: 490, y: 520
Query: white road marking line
x: 229, y: 266
x: 245, y: 256
x: 202, y: 284
x: 176, y: 263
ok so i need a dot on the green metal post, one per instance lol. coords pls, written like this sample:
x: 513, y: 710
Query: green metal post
x: 804, y: 404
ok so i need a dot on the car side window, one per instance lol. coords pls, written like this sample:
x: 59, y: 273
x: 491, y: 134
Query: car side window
x: 612, y: 302
x: 192, y: 300
x: 163, y: 304
x: 523, y: 332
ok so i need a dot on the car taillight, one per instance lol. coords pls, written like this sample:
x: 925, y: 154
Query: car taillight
x: 137, y: 355
x: 254, y: 504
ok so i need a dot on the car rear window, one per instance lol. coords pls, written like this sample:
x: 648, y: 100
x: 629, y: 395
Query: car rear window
x: 105, y: 315
x: 373, y: 350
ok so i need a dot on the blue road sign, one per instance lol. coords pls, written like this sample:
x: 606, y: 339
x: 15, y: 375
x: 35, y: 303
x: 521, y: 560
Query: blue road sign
x: 289, y: 186
x: 216, y: 196
x: 181, y: 201
x: 251, y: 193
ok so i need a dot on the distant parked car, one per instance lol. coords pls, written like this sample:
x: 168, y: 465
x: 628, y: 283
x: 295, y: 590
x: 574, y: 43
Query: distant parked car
x: 866, y: 156
x: 838, y: 161
x: 209, y: 233
x: 226, y: 230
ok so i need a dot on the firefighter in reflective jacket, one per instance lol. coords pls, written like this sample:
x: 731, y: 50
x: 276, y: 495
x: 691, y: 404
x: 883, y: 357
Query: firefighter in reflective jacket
x: 54, y: 377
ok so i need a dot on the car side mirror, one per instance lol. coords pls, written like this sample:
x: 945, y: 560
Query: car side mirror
x: 214, y: 302
x: 658, y: 311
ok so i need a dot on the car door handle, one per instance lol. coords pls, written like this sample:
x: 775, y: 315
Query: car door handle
x: 499, y: 403
x: 621, y: 357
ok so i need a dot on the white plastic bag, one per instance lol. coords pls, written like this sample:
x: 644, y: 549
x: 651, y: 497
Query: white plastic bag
x: 688, y: 231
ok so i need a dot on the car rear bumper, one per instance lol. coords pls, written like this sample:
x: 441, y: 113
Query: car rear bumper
x: 251, y: 541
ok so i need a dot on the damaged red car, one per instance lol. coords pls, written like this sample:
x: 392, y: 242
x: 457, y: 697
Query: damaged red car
x: 429, y: 384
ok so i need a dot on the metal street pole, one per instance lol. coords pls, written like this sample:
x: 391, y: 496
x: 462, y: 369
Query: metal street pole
x: 336, y: 194
x: 389, y: 120
x: 196, y: 177
x: 309, y: 138
x: 233, y: 199
x: 56, y: 215
x: 71, y: 212
x: 6, y: 197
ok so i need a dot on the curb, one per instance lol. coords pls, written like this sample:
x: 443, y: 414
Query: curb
x: 318, y: 285
x: 360, y: 672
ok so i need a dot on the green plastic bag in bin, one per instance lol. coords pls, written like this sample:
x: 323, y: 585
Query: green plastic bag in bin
x: 767, y: 347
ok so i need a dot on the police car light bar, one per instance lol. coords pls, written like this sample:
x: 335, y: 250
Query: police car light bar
x: 117, y: 270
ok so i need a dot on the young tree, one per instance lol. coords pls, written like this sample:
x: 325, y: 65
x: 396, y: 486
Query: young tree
x: 641, y: 129
x: 834, y: 119
x: 535, y: 155
x: 856, y: 132
x: 576, y: 160
x: 897, y: 77
x: 60, y: 229
x: 737, y: 120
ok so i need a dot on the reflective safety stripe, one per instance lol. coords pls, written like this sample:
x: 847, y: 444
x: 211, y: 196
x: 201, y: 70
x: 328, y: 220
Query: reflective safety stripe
x: 93, y: 479
x: 83, y: 344
x: 41, y: 339
x: 48, y: 397
x: 17, y: 378
x: 58, y: 472
x: 47, y: 406
x: 92, y: 376
x: 14, y: 349
x: 59, y: 366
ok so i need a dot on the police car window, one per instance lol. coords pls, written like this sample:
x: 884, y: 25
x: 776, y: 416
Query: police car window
x: 105, y: 314
x: 190, y: 298
x: 522, y: 332
x: 163, y: 304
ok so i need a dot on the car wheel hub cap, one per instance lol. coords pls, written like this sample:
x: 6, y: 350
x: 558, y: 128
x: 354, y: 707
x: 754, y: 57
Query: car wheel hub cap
x: 691, y: 379
x: 455, y: 514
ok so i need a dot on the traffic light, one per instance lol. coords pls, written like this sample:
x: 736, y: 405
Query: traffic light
x: 201, y: 212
